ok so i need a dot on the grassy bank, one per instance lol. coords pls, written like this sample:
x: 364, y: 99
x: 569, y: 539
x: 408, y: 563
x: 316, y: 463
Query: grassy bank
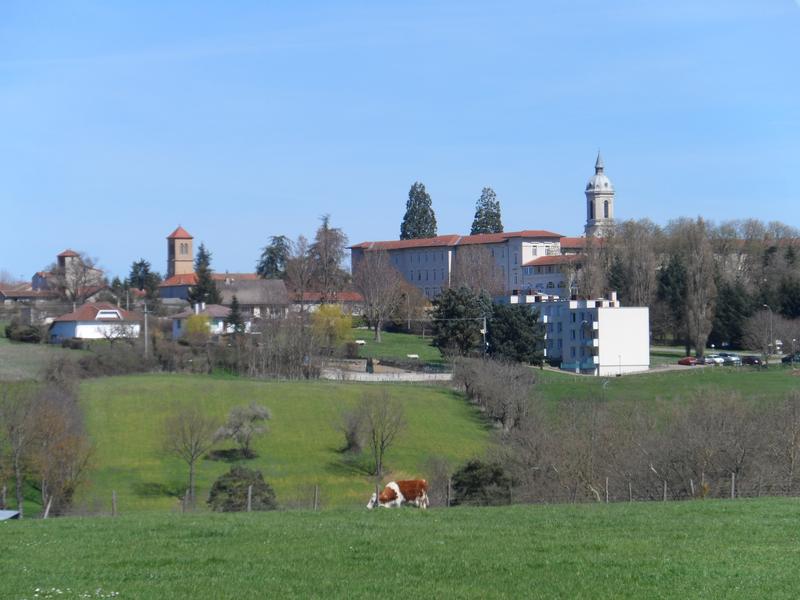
x: 713, y: 549
x: 125, y: 417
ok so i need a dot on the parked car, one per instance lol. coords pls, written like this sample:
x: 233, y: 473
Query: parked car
x: 713, y: 359
x: 688, y: 361
x: 752, y: 360
x: 730, y: 359
x: 791, y: 358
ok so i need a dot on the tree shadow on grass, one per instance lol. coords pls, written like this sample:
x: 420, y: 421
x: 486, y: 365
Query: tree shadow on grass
x: 152, y: 489
x: 351, y: 464
x: 229, y: 455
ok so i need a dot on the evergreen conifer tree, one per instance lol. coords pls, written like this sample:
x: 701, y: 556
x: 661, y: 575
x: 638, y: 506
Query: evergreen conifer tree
x: 419, y: 220
x: 235, y: 320
x: 487, y: 214
x: 205, y: 290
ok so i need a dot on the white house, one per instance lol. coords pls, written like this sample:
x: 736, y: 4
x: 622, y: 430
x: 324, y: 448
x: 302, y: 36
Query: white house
x: 94, y: 321
x: 216, y: 315
x: 594, y: 337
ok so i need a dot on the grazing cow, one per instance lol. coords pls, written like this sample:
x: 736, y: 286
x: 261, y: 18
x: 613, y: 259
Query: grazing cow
x: 396, y: 493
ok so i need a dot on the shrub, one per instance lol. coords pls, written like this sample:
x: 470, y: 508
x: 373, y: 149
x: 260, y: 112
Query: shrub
x: 23, y: 333
x: 229, y: 492
x: 351, y: 350
x: 481, y: 484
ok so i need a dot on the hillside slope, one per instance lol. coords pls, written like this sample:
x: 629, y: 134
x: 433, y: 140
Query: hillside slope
x: 125, y: 417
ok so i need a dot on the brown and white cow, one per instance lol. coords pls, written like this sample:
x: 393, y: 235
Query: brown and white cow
x: 397, y: 493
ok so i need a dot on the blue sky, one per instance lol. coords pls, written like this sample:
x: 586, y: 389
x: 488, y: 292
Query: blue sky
x: 242, y: 120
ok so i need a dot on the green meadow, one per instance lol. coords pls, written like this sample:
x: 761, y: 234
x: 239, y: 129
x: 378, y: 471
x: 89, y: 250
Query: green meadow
x: 125, y: 417
x: 712, y: 549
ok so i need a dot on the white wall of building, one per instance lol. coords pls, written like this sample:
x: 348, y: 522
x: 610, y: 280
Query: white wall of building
x: 93, y: 330
x: 624, y: 335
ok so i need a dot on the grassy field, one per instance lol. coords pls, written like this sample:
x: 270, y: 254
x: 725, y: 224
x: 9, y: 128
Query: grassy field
x: 712, y: 549
x: 396, y: 345
x: 765, y: 384
x: 20, y: 361
x: 125, y: 417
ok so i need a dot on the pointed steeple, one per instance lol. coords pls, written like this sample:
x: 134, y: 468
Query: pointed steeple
x: 599, y: 166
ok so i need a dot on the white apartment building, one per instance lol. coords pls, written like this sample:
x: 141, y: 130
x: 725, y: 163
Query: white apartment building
x: 594, y: 337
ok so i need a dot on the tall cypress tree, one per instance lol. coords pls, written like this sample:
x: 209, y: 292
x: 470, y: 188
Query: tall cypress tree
x: 487, y: 214
x: 419, y: 220
x: 205, y: 290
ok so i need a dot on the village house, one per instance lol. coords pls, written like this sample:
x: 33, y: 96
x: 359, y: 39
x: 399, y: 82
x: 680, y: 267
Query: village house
x: 94, y: 321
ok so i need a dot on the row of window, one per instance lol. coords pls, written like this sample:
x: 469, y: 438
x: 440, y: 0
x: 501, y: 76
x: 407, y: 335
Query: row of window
x: 420, y: 257
x: 427, y: 275
x: 539, y: 270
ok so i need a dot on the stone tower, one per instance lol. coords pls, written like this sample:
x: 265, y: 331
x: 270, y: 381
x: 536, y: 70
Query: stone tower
x: 180, y: 253
x: 599, y: 202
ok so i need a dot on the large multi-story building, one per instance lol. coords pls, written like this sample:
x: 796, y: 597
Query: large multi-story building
x: 525, y: 261
x: 593, y: 337
x: 528, y: 259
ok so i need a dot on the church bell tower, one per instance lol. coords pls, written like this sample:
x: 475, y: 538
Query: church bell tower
x: 599, y: 202
x: 179, y: 253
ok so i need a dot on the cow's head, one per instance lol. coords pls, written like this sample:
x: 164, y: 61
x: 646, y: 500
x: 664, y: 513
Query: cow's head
x: 372, y: 501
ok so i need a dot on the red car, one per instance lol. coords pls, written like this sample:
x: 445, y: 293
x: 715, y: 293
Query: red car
x: 688, y: 361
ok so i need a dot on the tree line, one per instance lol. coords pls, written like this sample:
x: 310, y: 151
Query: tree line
x: 704, y: 445
x: 704, y: 283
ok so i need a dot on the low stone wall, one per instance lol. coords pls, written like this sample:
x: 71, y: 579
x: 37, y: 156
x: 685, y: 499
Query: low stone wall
x: 338, y: 375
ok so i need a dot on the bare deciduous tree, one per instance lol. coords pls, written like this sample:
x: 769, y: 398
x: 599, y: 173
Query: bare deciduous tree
x: 381, y: 287
x: 475, y: 268
x: 77, y: 278
x: 245, y: 423
x: 701, y: 291
x: 62, y: 450
x: 188, y: 434
x: 383, y: 420
x: 18, y: 421
x: 300, y: 270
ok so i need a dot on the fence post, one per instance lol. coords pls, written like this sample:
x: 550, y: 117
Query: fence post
x: 113, y: 503
x: 733, y: 485
x: 249, y: 498
x: 316, y: 496
x: 606, y: 490
x: 630, y: 492
x: 691, y: 486
x: 665, y: 491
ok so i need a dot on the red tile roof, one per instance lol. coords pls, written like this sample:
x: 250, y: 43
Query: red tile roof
x: 180, y: 234
x: 456, y: 240
x: 68, y: 252
x: 553, y: 260
x: 578, y: 242
x: 88, y: 312
x: 176, y: 280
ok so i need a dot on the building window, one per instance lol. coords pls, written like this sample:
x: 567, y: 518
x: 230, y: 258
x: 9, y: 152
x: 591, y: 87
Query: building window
x: 574, y: 317
x: 551, y: 285
x: 515, y: 258
x: 605, y: 209
x: 419, y: 275
x: 572, y: 334
x: 515, y: 278
x: 572, y: 352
